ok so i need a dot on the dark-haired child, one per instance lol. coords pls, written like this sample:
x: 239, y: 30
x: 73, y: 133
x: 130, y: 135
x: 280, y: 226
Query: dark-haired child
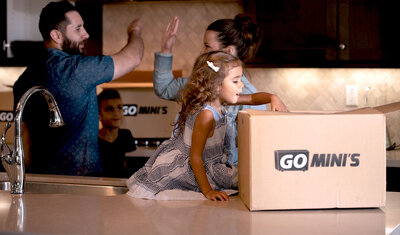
x: 114, y: 142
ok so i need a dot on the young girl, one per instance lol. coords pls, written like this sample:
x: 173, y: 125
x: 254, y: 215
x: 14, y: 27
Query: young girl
x: 195, y: 158
x: 240, y: 37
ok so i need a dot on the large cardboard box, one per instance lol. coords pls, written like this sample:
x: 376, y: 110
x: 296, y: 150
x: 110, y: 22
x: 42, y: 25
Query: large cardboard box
x: 312, y: 160
x: 324, y: 222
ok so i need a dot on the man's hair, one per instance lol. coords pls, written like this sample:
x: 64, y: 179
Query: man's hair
x: 107, y: 94
x: 53, y: 17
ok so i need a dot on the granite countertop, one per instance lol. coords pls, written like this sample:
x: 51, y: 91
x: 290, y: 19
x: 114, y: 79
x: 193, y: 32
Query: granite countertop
x: 122, y: 214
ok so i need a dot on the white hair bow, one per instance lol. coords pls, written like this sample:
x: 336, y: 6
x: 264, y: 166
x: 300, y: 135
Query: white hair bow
x: 212, y: 66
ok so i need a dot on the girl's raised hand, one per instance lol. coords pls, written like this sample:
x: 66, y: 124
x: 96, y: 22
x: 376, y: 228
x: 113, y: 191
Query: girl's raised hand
x: 169, y: 36
x: 216, y: 195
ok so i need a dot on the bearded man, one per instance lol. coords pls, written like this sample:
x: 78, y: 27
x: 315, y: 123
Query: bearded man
x: 72, y: 78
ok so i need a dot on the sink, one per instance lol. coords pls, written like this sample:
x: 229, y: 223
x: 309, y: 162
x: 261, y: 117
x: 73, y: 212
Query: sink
x: 67, y: 188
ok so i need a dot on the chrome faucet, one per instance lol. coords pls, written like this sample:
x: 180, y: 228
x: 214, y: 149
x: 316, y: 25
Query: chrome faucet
x: 14, y: 161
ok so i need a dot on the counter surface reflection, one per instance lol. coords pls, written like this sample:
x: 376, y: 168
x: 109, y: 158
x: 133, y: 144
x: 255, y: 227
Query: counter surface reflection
x: 55, y: 213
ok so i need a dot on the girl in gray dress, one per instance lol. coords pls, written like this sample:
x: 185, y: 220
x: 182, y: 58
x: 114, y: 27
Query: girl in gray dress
x: 195, y: 158
x: 239, y: 37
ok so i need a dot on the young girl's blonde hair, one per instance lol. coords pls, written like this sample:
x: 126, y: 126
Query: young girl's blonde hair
x: 204, y: 83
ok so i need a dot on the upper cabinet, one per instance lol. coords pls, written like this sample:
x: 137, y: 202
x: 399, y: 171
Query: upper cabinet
x: 326, y: 33
x: 3, y: 22
x: 20, y: 37
x: 19, y: 29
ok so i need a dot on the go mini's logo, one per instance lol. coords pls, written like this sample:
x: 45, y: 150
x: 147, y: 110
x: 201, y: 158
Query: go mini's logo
x: 6, y: 116
x: 291, y: 160
x: 299, y: 160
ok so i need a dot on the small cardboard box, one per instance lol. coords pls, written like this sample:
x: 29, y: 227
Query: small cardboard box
x: 312, y: 160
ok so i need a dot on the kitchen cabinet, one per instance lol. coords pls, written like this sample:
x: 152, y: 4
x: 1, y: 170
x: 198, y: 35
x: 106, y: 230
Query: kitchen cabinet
x: 20, y: 36
x: 326, y: 33
x: 92, y: 15
x: 19, y: 30
x: 3, y: 22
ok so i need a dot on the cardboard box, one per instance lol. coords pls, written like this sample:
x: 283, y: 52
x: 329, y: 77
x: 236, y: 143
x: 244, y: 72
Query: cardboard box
x: 326, y: 222
x: 312, y: 160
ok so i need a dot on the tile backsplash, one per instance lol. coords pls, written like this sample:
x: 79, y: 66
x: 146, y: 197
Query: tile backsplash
x: 194, y: 17
x: 325, y: 89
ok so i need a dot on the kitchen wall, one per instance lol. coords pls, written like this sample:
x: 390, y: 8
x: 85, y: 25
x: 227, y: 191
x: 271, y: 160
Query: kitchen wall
x: 155, y: 15
x: 300, y: 89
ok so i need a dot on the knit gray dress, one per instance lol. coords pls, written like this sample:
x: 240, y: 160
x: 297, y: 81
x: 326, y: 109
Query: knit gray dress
x: 169, y: 167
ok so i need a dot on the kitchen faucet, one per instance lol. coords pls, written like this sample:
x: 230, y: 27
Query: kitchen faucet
x: 14, y: 161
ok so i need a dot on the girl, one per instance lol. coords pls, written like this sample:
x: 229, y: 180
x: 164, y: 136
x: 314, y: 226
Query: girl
x: 195, y: 158
x: 240, y: 37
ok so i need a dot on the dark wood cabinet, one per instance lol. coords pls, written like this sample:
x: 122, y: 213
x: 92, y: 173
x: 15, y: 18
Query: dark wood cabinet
x: 326, y: 33
x: 3, y: 29
x: 92, y: 14
x: 24, y: 51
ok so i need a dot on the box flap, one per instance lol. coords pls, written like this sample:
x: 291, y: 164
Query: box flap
x: 388, y: 108
x: 254, y: 112
x: 362, y: 111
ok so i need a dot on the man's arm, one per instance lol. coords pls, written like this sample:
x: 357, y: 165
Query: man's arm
x: 131, y: 55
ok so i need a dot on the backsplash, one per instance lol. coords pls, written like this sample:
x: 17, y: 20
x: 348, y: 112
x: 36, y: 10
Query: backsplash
x: 325, y: 89
x: 300, y: 89
x: 194, y: 17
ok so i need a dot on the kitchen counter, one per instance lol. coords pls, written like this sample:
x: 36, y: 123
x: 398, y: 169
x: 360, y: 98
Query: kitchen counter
x: 393, y: 158
x: 122, y: 214
x: 141, y: 151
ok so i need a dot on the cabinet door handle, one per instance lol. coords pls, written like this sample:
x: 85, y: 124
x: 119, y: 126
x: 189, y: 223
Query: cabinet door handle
x: 5, y: 45
x: 342, y: 46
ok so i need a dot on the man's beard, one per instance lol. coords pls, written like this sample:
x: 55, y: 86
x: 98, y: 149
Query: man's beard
x: 72, y: 48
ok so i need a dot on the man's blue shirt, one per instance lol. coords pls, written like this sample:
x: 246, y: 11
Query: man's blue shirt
x: 72, y: 79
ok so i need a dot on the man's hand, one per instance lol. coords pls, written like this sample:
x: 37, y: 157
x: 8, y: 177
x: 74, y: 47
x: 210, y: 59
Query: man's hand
x: 135, y: 28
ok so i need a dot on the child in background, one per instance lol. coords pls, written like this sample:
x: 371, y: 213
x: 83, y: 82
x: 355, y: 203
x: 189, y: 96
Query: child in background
x: 114, y: 142
x: 195, y: 158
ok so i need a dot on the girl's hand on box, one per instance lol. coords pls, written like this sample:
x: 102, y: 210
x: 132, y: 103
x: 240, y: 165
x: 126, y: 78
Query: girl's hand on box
x: 216, y: 195
x: 277, y: 104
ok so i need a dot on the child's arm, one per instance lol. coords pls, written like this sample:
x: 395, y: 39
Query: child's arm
x: 203, y: 128
x: 263, y: 98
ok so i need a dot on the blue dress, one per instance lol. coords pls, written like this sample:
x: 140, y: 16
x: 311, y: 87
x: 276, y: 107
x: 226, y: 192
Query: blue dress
x: 169, y: 167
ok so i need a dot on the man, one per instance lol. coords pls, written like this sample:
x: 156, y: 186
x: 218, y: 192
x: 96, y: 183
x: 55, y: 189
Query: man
x: 72, y: 78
